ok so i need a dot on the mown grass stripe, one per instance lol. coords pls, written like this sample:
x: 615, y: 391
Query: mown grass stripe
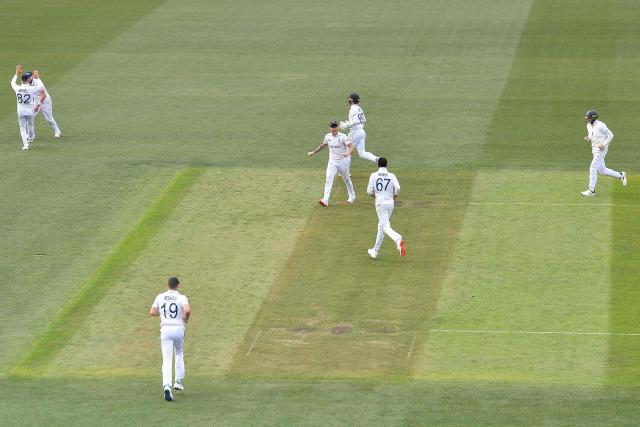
x: 62, y: 327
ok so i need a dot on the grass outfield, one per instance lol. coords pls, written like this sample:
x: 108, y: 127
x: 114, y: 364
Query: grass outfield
x: 185, y: 127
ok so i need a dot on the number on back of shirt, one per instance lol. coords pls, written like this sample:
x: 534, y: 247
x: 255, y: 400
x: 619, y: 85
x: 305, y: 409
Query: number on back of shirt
x: 382, y: 184
x: 173, y: 310
x: 23, y: 99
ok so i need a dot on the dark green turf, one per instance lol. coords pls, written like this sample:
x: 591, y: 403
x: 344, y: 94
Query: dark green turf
x: 249, y: 402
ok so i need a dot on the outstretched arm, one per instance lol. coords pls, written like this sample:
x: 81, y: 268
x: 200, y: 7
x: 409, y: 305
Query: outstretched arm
x: 319, y: 148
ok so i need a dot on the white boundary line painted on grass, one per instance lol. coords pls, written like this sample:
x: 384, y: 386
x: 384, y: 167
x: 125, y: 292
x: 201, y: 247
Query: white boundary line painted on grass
x: 555, y: 204
x: 253, y: 344
x: 468, y: 331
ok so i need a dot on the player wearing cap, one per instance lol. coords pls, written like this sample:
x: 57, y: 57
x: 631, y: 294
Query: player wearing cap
x: 47, y: 106
x: 355, y: 122
x: 174, y: 311
x: 384, y: 186
x: 340, y: 149
x: 28, y: 98
x: 599, y: 135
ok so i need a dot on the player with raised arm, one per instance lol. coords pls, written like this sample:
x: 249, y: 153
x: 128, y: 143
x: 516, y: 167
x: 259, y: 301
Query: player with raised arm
x: 384, y: 186
x: 174, y: 311
x: 47, y: 106
x: 355, y: 123
x: 340, y: 150
x: 28, y: 98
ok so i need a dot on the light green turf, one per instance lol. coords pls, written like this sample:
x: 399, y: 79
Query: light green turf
x: 63, y: 326
x: 530, y: 258
x: 227, y: 240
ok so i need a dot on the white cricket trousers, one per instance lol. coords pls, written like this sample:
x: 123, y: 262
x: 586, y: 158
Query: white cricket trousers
x: 47, y: 111
x: 598, y: 166
x: 26, y: 128
x: 340, y: 167
x: 384, y: 226
x: 357, y: 138
x: 172, y: 337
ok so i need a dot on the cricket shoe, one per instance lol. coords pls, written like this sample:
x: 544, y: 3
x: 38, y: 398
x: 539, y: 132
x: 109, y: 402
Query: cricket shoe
x: 58, y: 134
x: 25, y: 147
x: 351, y: 201
x: 401, y: 248
x: 623, y: 178
x: 372, y: 253
x: 167, y: 393
x: 323, y: 203
x: 589, y: 193
x: 178, y: 385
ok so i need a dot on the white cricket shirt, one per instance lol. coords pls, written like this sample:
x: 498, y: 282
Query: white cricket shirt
x: 337, y: 145
x: 38, y: 83
x: 356, y: 118
x: 384, y: 185
x: 26, y: 97
x: 598, y: 133
x: 170, y: 305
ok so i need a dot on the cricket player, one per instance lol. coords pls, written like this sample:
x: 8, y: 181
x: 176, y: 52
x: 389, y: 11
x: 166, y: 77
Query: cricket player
x: 28, y: 98
x: 340, y: 149
x: 384, y: 186
x: 355, y: 122
x: 174, y: 311
x: 599, y: 135
x: 47, y: 106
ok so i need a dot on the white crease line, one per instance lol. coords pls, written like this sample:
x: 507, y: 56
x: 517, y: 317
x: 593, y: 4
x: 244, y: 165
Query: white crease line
x: 253, y: 344
x: 413, y: 343
x: 465, y: 331
x: 553, y: 204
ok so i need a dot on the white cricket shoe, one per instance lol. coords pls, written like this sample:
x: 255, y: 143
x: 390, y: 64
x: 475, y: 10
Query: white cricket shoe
x: 623, y: 178
x: 372, y: 253
x: 178, y: 385
x: 352, y: 201
x: 58, y: 134
x: 25, y: 147
x: 167, y: 393
x: 589, y: 193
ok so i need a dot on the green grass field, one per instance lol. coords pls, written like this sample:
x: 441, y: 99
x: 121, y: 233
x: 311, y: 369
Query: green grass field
x: 185, y: 127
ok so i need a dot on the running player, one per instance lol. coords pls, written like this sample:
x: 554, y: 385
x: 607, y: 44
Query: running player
x: 599, y: 135
x: 174, y: 311
x: 384, y: 186
x: 355, y: 122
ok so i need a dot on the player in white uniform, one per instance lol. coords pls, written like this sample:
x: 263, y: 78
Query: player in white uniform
x: 174, y: 311
x: 340, y: 150
x: 355, y: 122
x: 599, y: 135
x: 28, y: 98
x: 47, y: 106
x: 384, y: 186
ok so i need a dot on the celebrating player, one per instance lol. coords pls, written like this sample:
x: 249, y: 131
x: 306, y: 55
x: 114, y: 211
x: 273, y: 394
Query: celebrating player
x: 46, y: 107
x: 599, y: 135
x: 340, y: 150
x: 384, y: 186
x: 174, y: 311
x: 28, y: 98
x: 355, y: 122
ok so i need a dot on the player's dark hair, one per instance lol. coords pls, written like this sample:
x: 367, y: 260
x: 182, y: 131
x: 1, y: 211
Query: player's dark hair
x: 173, y: 282
x: 382, y: 162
